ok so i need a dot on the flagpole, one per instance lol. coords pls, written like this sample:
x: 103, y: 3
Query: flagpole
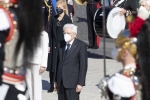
x: 104, y: 44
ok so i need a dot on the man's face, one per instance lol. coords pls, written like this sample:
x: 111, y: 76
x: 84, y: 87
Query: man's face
x: 69, y: 32
x: 115, y: 52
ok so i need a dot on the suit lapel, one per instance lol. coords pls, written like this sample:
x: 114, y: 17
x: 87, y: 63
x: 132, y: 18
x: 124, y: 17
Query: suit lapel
x: 73, y: 46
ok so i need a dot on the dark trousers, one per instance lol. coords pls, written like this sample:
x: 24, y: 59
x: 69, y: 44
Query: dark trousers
x: 69, y: 9
x: 67, y: 94
x: 51, y: 76
x: 91, y: 9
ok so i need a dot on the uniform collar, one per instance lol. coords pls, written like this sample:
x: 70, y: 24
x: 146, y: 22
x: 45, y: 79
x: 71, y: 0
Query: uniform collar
x: 132, y: 65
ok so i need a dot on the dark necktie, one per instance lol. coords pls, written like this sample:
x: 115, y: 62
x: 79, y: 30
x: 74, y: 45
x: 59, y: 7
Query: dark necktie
x: 68, y: 47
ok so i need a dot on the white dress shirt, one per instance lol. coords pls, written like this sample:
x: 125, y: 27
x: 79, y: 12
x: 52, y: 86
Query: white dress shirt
x: 132, y: 65
x: 70, y: 44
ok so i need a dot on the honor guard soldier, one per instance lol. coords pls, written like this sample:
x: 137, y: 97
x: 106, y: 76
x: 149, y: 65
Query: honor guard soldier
x: 133, y: 81
x: 125, y: 84
x: 129, y: 9
x: 92, y: 6
x: 126, y: 5
x: 20, y: 30
x: 140, y: 29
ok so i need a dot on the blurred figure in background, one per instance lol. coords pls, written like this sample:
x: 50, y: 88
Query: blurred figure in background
x: 48, y: 13
x: 36, y: 66
x: 125, y: 5
x: 20, y: 30
x: 144, y: 57
x: 141, y: 30
x: 146, y: 4
x: 70, y: 4
x: 57, y: 37
x: 92, y: 6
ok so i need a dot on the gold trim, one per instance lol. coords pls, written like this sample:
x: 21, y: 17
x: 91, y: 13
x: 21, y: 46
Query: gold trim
x: 49, y: 9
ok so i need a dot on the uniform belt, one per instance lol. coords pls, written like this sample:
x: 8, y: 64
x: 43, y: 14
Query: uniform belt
x: 92, y: 3
x: 13, y: 76
x: 18, y: 71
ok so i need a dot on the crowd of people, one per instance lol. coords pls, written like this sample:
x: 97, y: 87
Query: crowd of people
x: 32, y: 42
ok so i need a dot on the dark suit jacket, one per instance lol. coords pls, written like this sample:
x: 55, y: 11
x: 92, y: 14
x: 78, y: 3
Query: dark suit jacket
x: 72, y: 68
x: 56, y: 37
x: 93, y: 1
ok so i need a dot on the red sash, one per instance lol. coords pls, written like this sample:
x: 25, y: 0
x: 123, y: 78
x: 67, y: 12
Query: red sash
x: 11, y: 30
x: 13, y: 1
x: 97, y: 37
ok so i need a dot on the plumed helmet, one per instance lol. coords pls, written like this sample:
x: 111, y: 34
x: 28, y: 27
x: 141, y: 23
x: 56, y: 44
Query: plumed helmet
x: 124, y: 42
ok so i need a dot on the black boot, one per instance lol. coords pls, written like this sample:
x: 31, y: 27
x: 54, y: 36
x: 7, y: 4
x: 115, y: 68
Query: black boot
x: 51, y: 87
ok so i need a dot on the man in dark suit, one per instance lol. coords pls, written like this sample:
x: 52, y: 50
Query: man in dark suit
x: 92, y: 6
x: 72, y: 65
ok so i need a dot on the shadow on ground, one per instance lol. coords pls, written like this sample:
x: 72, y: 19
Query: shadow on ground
x: 80, y: 20
x: 96, y: 56
x: 45, y: 85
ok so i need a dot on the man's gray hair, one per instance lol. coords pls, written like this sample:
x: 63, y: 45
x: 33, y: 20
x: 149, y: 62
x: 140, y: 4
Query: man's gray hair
x: 72, y: 26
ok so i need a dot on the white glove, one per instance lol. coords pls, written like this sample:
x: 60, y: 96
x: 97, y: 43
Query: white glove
x: 70, y: 2
x: 4, y: 21
x: 143, y: 13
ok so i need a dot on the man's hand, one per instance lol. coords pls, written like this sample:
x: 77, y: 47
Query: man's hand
x: 71, y: 16
x: 42, y: 69
x: 122, y: 12
x: 55, y: 86
x: 79, y: 88
x: 48, y: 49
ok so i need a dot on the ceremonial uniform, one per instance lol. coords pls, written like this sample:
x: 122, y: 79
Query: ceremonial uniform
x: 129, y: 85
x: 14, y: 31
x: 11, y: 69
x: 92, y: 6
x: 124, y: 85
x: 131, y: 9
x: 127, y: 5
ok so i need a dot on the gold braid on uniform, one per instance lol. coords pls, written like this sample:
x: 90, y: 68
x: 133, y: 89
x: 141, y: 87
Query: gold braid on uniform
x: 48, y: 8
